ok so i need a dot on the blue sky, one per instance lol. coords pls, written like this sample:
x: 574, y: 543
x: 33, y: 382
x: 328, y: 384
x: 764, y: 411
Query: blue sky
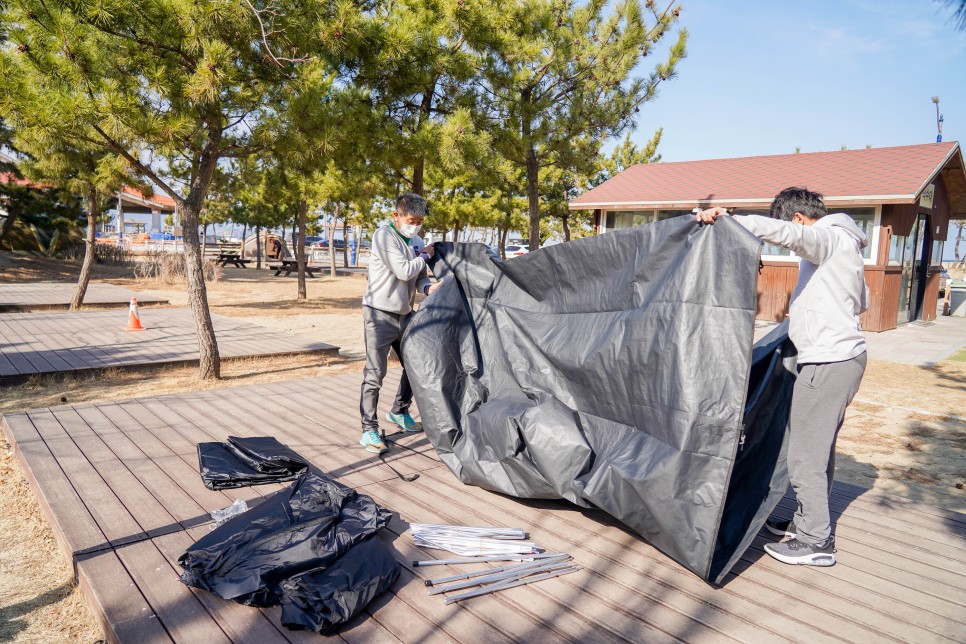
x: 767, y: 77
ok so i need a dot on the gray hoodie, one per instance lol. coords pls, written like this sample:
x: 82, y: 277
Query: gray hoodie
x: 395, y: 271
x: 831, y: 291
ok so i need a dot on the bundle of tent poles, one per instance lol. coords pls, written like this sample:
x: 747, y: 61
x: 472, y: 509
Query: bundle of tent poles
x: 484, y: 545
x: 472, y: 542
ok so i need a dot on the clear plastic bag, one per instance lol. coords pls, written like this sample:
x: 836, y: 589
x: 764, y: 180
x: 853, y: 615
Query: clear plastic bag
x: 233, y: 510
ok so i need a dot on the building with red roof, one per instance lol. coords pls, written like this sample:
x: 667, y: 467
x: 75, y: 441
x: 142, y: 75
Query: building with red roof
x: 902, y: 197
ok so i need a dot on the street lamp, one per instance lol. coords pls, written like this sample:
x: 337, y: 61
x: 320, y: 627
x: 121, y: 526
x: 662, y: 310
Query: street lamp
x: 939, y: 121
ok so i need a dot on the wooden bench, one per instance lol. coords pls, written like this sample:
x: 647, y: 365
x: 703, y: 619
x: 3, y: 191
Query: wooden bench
x: 224, y: 259
x: 214, y: 251
x: 289, y: 266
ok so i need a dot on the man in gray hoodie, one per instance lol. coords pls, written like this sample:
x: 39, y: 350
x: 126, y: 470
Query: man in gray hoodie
x: 397, y: 268
x: 824, y: 326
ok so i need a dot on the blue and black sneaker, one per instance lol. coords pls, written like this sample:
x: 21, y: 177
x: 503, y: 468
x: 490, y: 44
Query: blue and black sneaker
x: 405, y: 421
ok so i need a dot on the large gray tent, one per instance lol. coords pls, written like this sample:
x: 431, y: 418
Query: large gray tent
x: 618, y: 372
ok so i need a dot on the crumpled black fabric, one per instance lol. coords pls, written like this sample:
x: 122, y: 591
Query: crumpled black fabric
x: 294, y: 547
x: 614, y: 371
x: 322, y: 599
x: 243, y: 461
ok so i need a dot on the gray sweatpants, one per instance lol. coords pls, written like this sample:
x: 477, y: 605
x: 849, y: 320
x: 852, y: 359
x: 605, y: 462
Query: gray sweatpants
x: 383, y: 331
x: 822, y: 393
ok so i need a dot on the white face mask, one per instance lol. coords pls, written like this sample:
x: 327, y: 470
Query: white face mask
x: 410, y: 230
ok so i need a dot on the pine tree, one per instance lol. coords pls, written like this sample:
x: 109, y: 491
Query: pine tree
x: 557, y: 71
x: 178, y: 84
x: 92, y: 172
x: 419, y: 84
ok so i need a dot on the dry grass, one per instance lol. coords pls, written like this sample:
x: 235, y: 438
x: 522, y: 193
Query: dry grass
x: 39, y: 601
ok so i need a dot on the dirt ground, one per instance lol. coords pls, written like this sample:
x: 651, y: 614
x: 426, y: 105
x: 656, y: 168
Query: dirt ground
x: 905, y: 433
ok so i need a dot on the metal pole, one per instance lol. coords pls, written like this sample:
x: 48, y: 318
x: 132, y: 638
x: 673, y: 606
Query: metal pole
x: 510, y: 584
x: 466, y: 560
x: 470, y: 575
x: 512, y: 573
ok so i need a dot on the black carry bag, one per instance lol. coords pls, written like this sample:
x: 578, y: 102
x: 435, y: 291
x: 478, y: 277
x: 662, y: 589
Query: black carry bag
x: 310, y: 547
x: 244, y: 461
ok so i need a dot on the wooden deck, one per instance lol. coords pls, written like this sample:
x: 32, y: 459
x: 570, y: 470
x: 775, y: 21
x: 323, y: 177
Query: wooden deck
x: 46, y: 296
x: 58, y: 341
x: 119, y: 482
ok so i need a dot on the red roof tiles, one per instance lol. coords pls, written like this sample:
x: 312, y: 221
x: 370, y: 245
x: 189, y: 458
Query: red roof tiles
x: 882, y: 175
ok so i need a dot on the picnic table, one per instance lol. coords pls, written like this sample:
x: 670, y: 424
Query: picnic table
x: 290, y: 265
x: 230, y: 257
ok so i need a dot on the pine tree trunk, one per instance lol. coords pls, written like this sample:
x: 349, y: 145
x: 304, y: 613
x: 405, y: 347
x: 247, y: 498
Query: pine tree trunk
x: 565, y: 220
x: 88, y: 264
x: 8, y: 222
x: 244, y: 233
x: 345, y: 242
x: 331, y: 230
x: 258, y: 247
x: 425, y: 109
x: 210, y: 361
x: 418, y: 170
x: 959, y: 237
x: 533, y: 198
x: 300, y: 249
x: 503, y: 233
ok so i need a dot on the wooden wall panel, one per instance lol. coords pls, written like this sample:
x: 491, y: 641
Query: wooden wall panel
x: 889, y: 298
x: 775, y: 286
x: 931, y: 301
x: 941, y: 211
x: 883, y: 282
x: 777, y: 281
x: 900, y: 216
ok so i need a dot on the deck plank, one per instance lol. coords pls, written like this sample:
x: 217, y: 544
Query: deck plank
x: 93, y: 464
x: 45, y: 296
x: 55, y: 342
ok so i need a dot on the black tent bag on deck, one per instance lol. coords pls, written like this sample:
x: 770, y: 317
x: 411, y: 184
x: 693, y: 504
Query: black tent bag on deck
x: 251, y: 460
x: 614, y: 371
x: 307, y: 527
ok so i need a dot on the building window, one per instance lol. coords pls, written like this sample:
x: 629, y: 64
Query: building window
x: 896, y: 244
x: 668, y: 214
x: 618, y: 219
x: 937, y: 253
x: 767, y: 250
x: 865, y: 220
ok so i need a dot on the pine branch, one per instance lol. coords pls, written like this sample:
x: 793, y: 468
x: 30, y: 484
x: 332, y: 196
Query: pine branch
x: 136, y: 163
x: 261, y: 25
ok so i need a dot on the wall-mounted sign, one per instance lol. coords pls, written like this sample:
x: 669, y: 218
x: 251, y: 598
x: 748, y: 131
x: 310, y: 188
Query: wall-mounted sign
x: 925, y: 200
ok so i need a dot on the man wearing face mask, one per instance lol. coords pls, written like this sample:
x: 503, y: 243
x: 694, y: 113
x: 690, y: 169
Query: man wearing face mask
x: 398, y: 263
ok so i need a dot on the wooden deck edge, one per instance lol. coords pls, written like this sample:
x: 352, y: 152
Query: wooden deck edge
x: 329, y: 351
x: 38, y: 493
x: 95, y: 306
x: 93, y: 602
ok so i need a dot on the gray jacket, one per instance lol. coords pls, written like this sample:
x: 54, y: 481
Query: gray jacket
x: 831, y: 291
x: 395, y: 271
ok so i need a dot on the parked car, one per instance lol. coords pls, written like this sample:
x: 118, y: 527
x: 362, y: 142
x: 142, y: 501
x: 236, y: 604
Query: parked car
x: 324, y: 243
x: 515, y: 250
x: 312, y: 240
x: 943, y: 280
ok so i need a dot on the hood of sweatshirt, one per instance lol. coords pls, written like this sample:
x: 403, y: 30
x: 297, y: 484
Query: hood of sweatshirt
x: 844, y: 222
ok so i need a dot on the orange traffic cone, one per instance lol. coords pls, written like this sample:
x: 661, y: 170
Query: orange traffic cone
x: 133, y: 317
